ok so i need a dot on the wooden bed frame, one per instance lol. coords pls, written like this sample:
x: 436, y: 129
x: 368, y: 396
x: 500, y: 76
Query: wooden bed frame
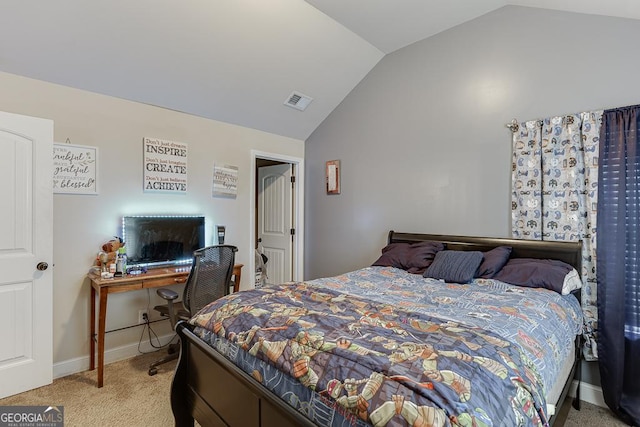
x: 209, y: 388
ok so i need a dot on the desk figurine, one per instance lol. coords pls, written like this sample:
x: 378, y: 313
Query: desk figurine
x: 109, y: 252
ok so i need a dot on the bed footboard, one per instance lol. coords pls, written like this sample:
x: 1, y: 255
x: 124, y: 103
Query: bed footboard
x: 209, y: 388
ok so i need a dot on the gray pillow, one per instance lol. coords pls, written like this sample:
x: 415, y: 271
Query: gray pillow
x: 454, y: 266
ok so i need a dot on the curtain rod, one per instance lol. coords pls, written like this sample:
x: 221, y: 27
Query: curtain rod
x: 513, y: 126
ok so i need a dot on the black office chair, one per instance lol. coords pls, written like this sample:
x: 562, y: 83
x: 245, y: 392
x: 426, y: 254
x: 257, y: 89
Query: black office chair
x: 209, y: 279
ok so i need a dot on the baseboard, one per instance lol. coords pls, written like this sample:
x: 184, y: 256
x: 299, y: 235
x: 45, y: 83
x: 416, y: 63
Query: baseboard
x: 81, y: 364
x: 588, y: 393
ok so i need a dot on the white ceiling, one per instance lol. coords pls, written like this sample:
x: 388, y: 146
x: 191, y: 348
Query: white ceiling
x: 393, y: 24
x: 235, y: 61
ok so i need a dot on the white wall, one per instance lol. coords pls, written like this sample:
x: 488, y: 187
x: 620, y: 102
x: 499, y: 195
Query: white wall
x: 422, y: 139
x: 83, y: 222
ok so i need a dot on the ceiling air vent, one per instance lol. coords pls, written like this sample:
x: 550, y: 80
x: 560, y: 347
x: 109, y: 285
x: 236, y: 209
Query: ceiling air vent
x: 298, y: 101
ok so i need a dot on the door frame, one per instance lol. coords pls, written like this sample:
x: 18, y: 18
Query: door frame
x: 297, y: 216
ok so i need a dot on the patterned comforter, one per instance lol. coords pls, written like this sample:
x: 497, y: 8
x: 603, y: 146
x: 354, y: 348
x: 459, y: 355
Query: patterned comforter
x: 384, y: 347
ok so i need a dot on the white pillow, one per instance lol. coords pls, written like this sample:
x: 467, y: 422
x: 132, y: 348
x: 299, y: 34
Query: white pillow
x: 571, y: 282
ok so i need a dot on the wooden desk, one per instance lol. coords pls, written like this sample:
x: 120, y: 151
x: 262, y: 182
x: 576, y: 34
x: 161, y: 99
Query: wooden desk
x: 154, y: 278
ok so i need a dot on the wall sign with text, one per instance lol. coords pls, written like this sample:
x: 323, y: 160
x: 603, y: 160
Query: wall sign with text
x: 225, y: 180
x: 75, y: 169
x: 165, y: 166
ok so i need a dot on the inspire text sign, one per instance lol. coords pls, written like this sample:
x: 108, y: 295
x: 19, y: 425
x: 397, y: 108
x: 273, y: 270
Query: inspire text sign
x: 165, y: 166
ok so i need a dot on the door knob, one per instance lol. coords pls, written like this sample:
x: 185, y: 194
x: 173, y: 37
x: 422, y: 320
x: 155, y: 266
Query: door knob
x: 42, y: 266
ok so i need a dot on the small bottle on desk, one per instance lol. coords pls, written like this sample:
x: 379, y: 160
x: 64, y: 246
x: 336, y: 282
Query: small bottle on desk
x: 121, y: 263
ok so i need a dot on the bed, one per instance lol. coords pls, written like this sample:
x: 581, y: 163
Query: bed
x: 386, y: 346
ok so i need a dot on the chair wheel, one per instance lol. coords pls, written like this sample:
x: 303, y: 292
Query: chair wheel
x: 153, y: 371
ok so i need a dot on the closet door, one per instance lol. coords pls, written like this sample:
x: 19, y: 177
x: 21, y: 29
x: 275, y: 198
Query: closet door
x: 274, y: 220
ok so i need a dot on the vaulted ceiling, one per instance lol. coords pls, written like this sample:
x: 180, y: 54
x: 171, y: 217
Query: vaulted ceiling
x: 235, y: 61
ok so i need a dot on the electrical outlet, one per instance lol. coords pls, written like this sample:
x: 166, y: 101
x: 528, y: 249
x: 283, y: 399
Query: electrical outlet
x: 143, y: 317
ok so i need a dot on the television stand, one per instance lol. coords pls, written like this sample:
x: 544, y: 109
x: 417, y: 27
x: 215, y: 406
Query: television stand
x: 153, y: 278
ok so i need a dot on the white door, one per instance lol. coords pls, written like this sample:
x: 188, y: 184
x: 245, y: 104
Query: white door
x: 274, y: 220
x: 26, y: 270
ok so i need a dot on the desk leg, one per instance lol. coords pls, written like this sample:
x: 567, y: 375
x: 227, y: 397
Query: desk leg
x: 102, y: 315
x: 92, y: 326
x: 237, y: 272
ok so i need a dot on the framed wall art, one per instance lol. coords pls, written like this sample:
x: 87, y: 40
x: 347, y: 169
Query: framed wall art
x: 164, y: 166
x: 75, y: 169
x: 225, y: 180
x: 333, y: 176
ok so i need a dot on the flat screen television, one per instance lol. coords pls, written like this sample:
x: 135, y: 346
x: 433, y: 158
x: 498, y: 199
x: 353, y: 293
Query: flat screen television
x: 159, y: 240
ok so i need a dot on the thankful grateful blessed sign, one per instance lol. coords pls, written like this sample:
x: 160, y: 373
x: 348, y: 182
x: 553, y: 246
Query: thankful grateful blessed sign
x: 165, y: 165
x: 75, y: 169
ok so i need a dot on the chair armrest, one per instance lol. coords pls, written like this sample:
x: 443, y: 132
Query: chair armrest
x: 167, y: 294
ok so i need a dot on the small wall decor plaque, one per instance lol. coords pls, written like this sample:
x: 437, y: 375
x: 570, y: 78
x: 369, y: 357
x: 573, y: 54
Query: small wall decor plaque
x: 75, y: 169
x: 333, y: 176
x: 165, y: 166
x: 225, y: 180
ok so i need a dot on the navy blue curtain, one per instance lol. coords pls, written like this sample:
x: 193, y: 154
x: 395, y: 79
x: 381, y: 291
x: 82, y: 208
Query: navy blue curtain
x: 618, y: 261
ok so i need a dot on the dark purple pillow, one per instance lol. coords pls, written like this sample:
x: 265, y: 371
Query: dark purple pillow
x: 422, y: 255
x: 413, y: 257
x: 534, y: 273
x: 394, y: 255
x: 493, y: 261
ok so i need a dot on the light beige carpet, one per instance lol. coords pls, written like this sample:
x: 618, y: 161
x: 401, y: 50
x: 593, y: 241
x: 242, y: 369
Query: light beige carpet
x: 130, y: 397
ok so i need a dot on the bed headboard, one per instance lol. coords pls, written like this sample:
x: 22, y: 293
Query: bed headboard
x: 569, y: 252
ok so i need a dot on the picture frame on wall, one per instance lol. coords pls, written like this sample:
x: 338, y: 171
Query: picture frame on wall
x: 333, y: 176
x: 165, y: 166
x: 75, y: 169
x: 225, y: 181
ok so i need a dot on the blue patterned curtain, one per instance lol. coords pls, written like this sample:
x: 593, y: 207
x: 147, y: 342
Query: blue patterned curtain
x: 554, y: 193
x: 619, y: 262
